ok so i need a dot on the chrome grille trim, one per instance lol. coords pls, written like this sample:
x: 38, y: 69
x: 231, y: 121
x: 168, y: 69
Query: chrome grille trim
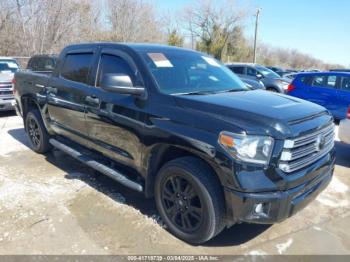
x: 305, y: 150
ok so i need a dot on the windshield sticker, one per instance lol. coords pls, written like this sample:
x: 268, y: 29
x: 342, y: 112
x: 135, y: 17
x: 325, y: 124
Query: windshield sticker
x: 160, y: 60
x: 211, y: 61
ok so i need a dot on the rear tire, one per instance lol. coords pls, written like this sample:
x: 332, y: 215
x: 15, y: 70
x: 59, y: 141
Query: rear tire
x: 190, y: 200
x: 37, y: 133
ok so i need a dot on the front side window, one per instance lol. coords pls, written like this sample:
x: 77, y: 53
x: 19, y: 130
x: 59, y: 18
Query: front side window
x: 76, y: 67
x: 180, y: 72
x: 237, y: 70
x: 251, y: 71
x: 111, y: 64
x: 331, y: 81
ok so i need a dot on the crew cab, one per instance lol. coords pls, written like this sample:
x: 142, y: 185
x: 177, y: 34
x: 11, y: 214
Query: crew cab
x: 180, y: 127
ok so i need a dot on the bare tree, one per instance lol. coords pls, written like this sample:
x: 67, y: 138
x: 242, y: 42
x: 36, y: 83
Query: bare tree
x: 133, y: 21
x: 211, y: 24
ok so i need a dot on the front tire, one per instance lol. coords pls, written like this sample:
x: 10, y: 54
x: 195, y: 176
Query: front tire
x: 37, y: 133
x: 190, y: 200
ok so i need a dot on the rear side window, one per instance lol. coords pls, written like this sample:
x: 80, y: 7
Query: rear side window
x: 76, y: 67
x: 237, y: 70
x: 115, y: 65
x: 345, y: 83
x: 319, y: 81
x: 306, y: 80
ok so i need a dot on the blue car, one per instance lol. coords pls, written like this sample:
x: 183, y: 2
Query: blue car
x: 328, y: 89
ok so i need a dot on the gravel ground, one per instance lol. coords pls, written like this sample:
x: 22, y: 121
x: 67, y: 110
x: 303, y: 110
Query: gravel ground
x: 53, y: 205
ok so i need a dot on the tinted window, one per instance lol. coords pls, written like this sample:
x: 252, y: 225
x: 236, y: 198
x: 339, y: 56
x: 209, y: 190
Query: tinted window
x: 306, y: 80
x: 237, y: 69
x: 76, y: 67
x: 251, y: 71
x: 345, y: 83
x: 115, y: 65
x: 319, y: 81
x: 331, y: 81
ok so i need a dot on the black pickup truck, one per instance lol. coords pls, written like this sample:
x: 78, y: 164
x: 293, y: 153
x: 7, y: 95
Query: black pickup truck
x: 181, y: 128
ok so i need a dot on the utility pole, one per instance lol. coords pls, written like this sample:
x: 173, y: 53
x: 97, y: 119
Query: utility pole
x: 256, y: 33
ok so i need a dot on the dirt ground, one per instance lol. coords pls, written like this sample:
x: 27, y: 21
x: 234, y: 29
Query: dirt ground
x: 53, y: 205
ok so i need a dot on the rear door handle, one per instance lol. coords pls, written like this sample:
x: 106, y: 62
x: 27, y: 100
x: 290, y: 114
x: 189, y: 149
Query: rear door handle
x: 92, y: 100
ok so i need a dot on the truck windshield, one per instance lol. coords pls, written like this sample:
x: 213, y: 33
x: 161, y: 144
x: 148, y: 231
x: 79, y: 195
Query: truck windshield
x: 180, y: 72
x: 8, y: 66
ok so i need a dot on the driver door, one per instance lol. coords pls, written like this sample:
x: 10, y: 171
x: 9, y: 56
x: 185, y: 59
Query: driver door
x: 114, y: 121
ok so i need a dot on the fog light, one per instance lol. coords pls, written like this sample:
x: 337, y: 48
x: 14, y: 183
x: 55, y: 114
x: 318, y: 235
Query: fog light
x: 261, y: 209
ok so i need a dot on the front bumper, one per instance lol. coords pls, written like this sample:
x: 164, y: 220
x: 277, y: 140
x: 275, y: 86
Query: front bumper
x: 7, y: 104
x: 275, y: 206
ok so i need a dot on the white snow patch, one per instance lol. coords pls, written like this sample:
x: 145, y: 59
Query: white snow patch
x: 256, y: 253
x: 317, y: 228
x: 284, y: 246
x: 330, y: 197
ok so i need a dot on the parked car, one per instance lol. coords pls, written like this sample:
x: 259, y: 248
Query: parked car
x: 328, y: 89
x: 344, y: 129
x: 272, y: 81
x: 179, y: 126
x: 42, y: 63
x: 8, y: 66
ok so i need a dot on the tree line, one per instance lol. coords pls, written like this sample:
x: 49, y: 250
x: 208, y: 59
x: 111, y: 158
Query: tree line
x: 29, y: 27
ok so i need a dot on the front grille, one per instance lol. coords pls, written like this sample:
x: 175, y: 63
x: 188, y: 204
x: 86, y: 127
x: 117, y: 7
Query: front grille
x: 307, y: 149
x: 5, y: 93
x: 6, y: 85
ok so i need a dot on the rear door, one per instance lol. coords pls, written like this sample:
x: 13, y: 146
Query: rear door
x: 323, y: 91
x: 67, y: 92
x: 115, y: 121
x: 343, y: 96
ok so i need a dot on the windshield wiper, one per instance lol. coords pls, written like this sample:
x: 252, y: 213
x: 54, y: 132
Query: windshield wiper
x: 211, y: 92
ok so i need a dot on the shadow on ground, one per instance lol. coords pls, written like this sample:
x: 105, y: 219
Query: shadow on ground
x: 20, y: 135
x: 73, y: 169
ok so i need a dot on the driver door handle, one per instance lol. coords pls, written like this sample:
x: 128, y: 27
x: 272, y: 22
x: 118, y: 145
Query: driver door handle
x: 92, y: 100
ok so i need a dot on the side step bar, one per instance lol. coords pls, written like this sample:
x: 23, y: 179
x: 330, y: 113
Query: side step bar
x: 96, y: 165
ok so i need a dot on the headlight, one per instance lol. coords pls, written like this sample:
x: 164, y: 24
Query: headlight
x: 252, y: 149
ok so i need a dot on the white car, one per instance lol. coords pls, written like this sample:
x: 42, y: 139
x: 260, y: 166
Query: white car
x: 344, y: 129
x: 8, y: 66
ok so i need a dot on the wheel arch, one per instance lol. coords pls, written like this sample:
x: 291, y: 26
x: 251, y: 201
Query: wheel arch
x: 162, y: 154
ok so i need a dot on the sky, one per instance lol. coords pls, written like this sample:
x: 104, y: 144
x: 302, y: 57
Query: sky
x: 320, y: 28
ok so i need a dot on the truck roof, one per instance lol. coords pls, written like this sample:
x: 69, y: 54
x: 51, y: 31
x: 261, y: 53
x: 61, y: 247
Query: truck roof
x: 133, y: 46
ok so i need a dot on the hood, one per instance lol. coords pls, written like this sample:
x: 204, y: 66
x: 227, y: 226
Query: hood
x: 255, y: 112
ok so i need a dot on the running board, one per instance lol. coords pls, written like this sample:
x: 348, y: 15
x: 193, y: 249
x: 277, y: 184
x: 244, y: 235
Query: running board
x: 96, y: 165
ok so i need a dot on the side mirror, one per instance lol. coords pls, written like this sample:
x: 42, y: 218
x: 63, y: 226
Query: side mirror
x: 259, y: 76
x: 120, y: 83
